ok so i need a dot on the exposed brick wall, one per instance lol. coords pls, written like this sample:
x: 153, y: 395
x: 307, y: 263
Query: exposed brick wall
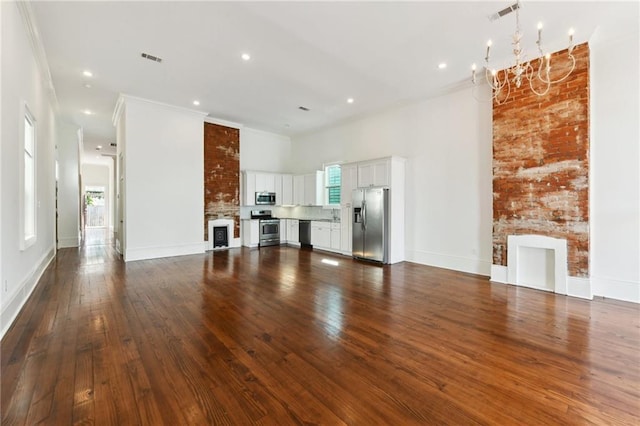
x: 541, y: 164
x: 221, y: 175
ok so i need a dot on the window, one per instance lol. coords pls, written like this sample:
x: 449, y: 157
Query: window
x: 333, y: 181
x: 29, y: 180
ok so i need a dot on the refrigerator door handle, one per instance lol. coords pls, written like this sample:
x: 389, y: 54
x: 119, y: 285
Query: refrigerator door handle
x: 364, y: 215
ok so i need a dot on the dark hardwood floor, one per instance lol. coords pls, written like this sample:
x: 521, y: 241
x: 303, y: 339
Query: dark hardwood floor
x: 276, y: 336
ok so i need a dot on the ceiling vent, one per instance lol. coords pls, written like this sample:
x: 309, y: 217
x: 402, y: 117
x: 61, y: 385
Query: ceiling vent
x: 303, y: 108
x: 504, y: 12
x: 151, y: 57
x: 113, y: 144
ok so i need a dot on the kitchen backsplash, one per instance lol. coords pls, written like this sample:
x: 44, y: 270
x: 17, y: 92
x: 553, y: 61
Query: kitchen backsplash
x: 298, y: 212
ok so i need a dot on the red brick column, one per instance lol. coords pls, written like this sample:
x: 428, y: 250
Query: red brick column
x: 541, y: 163
x: 221, y: 175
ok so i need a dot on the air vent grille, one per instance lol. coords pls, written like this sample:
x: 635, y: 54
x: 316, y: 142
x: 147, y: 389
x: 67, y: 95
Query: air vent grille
x: 151, y: 57
x: 113, y: 144
x: 504, y: 12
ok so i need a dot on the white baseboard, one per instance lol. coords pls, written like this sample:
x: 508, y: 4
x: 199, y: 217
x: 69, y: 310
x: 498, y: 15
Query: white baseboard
x: 68, y: 242
x: 456, y: 263
x: 628, y: 291
x: 142, y: 253
x: 499, y: 274
x: 13, y: 303
x: 579, y: 287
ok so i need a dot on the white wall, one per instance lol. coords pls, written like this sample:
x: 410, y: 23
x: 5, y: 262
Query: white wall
x: 68, y: 186
x: 615, y: 168
x: 23, y: 81
x: 100, y: 175
x: 164, y: 180
x: 264, y: 151
x: 448, y: 146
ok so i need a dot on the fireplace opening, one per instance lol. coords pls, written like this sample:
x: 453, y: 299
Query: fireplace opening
x: 220, y: 236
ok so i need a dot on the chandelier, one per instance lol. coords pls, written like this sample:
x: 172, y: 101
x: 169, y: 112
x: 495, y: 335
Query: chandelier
x: 536, y: 72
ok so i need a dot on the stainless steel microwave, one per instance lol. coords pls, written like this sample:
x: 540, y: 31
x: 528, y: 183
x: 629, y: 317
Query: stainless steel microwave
x: 265, y: 198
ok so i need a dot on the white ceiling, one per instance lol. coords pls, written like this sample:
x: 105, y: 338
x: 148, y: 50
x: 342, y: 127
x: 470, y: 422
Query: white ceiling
x: 312, y: 54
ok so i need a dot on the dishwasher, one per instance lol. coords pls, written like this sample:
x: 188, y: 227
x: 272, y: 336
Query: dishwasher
x: 304, y: 229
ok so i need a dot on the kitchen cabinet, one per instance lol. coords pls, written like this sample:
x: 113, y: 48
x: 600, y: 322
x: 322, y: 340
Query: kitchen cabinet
x: 336, y: 237
x: 308, y: 189
x: 293, y: 231
x: 250, y: 232
x: 374, y: 173
x: 321, y: 234
x: 265, y: 182
x: 298, y: 190
x: 248, y: 188
x: 286, y: 191
x: 284, y: 227
x: 348, y: 182
x: 345, y: 229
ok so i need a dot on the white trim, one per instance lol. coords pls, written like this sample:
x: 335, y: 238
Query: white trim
x: 14, y: 302
x: 124, y: 98
x: 456, y: 263
x: 25, y: 113
x: 28, y: 18
x: 142, y: 253
x: 612, y: 288
x: 499, y: 274
x: 559, y: 247
x: 230, y: 224
x: 225, y: 123
x: 579, y: 287
x: 68, y: 242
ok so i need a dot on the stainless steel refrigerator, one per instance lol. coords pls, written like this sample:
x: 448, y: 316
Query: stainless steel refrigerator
x: 371, y: 224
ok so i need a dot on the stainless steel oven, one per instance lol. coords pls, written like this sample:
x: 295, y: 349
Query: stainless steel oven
x: 269, y: 228
x: 269, y: 232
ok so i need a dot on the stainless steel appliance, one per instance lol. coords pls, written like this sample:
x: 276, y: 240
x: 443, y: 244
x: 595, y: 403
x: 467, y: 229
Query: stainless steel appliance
x: 269, y: 228
x: 265, y: 198
x: 371, y: 224
x: 304, y: 233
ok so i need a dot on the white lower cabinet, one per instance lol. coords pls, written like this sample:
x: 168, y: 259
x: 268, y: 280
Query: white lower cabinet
x: 320, y: 234
x: 250, y: 232
x: 346, y: 226
x: 293, y: 231
x: 326, y: 235
x: 284, y: 225
x: 335, y: 236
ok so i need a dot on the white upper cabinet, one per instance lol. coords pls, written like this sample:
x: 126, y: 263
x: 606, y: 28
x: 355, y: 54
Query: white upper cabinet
x: 374, y: 173
x: 313, y: 189
x: 248, y: 188
x: 298, y: 189
x: 349, y: 182
x: 265, y: 182
x: 286, y: 198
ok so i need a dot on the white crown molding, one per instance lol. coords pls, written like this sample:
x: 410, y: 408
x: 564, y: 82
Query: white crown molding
x: 225, y: 123
x: 124, y: 98
x: 29, y: 20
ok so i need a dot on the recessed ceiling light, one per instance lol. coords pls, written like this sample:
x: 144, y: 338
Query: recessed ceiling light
x: 245, y: 56
x: 99, y: 147
x: 87, y: 85
x: 350, y: 100
x: 442, y: 65
x: 87, y: 73
x: 88, y: 112
x: 196, y: 103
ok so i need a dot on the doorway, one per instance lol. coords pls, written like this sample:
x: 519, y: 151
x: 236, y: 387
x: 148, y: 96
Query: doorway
x: 95, y: 207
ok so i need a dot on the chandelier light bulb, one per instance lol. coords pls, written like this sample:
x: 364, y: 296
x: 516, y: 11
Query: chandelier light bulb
x: 534, y: 73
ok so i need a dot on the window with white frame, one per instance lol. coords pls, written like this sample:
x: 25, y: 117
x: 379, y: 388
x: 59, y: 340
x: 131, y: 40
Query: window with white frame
x: 333, y: 179
x: 29, y: 180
